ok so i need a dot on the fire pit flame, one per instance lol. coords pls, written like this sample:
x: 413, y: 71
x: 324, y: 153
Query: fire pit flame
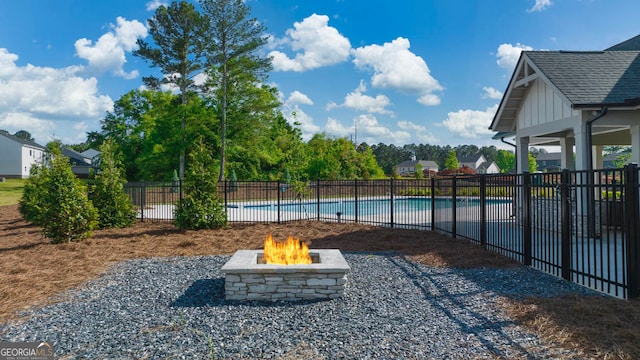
x: 292, y: 251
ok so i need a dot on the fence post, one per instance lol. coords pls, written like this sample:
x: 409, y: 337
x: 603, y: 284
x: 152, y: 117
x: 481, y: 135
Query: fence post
x: 483, y: 210
x: 318, y: 198
x: 565, y: 203
x: 391, y: 201
x: 526, y: 218
x: 143, y: 201
x: 631, y: 221
x: 454, y: 201
x: 433, y: 203
x: 226, y: 197
x: 279, y: 189
x: 355, y: 185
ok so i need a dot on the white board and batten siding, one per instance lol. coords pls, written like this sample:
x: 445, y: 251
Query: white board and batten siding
x: 542, y: 105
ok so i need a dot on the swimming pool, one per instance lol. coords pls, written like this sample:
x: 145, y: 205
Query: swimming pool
x: 367, y: 207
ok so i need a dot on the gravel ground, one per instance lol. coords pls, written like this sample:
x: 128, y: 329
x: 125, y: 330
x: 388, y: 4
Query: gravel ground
x: 392, y: 308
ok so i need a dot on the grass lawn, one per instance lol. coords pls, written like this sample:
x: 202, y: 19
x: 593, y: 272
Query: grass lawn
x: 11, y: 191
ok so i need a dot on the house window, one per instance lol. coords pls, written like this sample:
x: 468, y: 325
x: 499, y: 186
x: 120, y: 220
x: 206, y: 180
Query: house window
x: 30, y: 154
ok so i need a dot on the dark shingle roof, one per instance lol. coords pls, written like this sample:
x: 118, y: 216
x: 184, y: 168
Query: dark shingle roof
x: 22, y: 141
x: 632, y: 44
x: 468, y: 159
x: 592, y: 78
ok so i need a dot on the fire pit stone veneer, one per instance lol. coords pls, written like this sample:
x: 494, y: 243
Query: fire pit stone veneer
x: 248, y: 278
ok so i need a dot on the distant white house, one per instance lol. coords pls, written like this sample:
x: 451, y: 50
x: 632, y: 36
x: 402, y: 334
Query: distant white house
x: 479, y: 164
x: 18, y: 155
x: 409, y: 167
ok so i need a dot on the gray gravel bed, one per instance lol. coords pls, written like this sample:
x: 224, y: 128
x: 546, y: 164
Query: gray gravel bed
x: 392, y: 308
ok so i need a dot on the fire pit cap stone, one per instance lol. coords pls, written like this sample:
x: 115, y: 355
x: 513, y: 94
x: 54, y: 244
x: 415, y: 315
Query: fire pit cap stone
x: 246, y: 262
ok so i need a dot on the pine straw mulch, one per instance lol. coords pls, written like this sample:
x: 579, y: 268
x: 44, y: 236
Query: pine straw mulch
x: 32, y: 270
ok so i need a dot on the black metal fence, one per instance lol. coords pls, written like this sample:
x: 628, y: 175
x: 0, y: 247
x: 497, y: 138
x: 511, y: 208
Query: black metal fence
x: 579, y: 225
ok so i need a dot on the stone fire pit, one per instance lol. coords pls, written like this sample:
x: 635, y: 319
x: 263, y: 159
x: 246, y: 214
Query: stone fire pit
x: 247, y: 277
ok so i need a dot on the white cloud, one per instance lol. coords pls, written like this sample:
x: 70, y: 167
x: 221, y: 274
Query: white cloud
x: 43, y: 100
x: 419, y: 131
x: 396, y: 67
x: 294, y: 114
x: 296, y: 97
x: 316, y: 45
x: 540, y: 5
x: 358, y: 101
x: 491, y: 93
x: 470, y: 123
x: 108, y: 53
x: 508, y: 55
x: 154, y: 4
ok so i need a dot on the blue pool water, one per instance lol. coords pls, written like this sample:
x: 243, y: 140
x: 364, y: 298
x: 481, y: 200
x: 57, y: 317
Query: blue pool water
x: 367, y: 207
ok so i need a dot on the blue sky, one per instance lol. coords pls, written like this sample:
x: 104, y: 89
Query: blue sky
x: 400, y: 72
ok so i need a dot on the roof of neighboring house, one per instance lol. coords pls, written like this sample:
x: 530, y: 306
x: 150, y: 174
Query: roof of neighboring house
x: 75, y: 157
x: 485, y: 165
x: 549, y: 156
x: 424, y: 163
x: 21, y: 140
x: 90, y: 153
x: 612, y: 157
x: 592, y: 78
x: 468, y: 159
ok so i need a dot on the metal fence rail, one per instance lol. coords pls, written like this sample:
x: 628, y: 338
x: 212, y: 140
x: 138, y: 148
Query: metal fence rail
x: 580, y: 225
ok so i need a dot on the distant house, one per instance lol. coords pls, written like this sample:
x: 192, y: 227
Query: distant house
x: 408, y: 168
x: 549, y: 162
x: 81, y: 164
x: 479, y: 164
x: 18, y: 155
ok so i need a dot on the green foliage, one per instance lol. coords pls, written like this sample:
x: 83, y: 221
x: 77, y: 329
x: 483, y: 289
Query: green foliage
x: 32, y: 204
x: 107, y: 194
x: 451, y: 163
x: 67, y: 214
x: 533, y: 165
x: 506, y: 161
x: 337, y: 159
x: 201, y: 208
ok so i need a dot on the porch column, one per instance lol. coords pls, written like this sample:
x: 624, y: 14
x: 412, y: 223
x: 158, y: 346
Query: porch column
x: 566, y: 151
x: 635, y: 144
x: 582, y: 151
x: 522, y: 153
x: 597, y: 157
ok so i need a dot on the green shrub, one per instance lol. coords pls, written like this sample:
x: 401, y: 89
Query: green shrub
x: 201, y: 208
x: 32, y: 205
x: 67, y: 213
x: 114, y: 206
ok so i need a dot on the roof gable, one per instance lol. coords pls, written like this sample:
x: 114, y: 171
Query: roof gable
x: 470, y: 159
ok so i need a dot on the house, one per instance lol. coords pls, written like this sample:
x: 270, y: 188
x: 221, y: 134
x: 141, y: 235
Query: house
x: 408, y: 168
x: 18, y: 155
x: 81, y: 165
x: 549, y: 162
x: 479, y: 164
x: 586, y: 99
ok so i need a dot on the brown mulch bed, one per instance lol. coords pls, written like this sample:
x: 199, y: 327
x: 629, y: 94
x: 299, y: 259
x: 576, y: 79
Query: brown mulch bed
x: 32, y: 270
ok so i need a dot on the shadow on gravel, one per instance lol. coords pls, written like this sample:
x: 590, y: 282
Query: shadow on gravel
x: 454, y: 302
x: 210, y: 292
